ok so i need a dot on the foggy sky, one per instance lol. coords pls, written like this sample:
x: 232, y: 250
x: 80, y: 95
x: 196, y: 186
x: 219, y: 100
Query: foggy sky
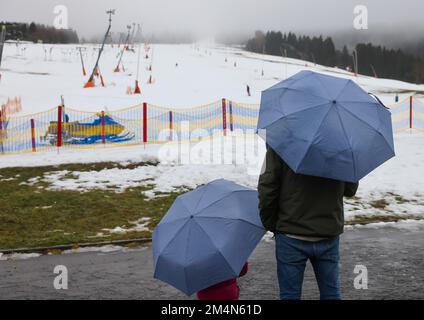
x: 208, y: 18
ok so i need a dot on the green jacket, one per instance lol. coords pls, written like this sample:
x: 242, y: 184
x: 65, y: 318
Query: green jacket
x: 302, y: 205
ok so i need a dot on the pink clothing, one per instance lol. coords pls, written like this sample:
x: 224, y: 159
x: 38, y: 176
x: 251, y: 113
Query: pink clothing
x: 226, y: 290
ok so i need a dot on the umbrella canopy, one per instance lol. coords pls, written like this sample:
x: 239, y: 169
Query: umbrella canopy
x: 326, y: 126
x: 206, y: 236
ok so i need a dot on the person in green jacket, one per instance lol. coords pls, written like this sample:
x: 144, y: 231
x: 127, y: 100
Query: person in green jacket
x: 306, y: 215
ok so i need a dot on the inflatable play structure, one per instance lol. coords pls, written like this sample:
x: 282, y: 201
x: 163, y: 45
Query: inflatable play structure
x: 101, y: 129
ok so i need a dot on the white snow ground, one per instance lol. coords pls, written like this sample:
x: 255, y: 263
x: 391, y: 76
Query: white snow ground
x: 398, y: 182
x: 202, y: 76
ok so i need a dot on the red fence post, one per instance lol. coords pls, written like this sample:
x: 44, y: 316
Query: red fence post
x: 170, y: 126
x: 34, y: 147
x: 144, y: 122
x: 59, y: 126
x: 224, y: 117
x: 410, y: 112
x: 231, y: 115
x: 103, y: 128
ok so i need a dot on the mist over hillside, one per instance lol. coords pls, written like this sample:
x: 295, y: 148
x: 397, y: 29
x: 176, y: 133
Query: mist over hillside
x: 410, y: 41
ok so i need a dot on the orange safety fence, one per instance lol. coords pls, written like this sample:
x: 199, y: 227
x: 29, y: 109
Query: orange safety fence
x: 147, y: 123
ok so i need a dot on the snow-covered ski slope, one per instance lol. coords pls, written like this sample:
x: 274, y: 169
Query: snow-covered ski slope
x: 41, y: 73
x: 205, y: 73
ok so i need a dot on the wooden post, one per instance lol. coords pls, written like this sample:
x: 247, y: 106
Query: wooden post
x: 34, y: 147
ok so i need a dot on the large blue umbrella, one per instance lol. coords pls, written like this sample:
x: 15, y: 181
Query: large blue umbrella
x: 206, y: 236
x: 326, y: 126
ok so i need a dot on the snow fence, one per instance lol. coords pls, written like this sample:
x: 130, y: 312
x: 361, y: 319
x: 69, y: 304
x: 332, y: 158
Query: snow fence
x: 146, y: 123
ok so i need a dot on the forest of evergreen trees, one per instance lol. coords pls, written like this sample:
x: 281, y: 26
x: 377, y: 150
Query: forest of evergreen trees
x: 372, y: 60
x: 39, y: 32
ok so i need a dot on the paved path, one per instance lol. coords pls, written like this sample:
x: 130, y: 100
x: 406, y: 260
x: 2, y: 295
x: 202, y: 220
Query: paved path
x: 394, y: 259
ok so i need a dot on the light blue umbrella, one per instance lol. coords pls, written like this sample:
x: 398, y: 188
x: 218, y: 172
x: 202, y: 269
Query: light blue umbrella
x: 326, y: 126
x: 206, y: 236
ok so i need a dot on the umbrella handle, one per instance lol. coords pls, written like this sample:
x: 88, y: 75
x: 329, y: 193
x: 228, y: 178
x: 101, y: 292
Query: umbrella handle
x: 376, y: 98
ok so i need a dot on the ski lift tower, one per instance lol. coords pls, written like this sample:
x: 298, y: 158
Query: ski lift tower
x: 138, y: 36
x: 90, y: 82
x: 2, y: 41
x: 355, y: 61
x: 126, y: 45
x: 133, y: 34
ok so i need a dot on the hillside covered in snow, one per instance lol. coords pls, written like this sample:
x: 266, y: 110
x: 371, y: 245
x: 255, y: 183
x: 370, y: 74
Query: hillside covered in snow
x: 182, y: 76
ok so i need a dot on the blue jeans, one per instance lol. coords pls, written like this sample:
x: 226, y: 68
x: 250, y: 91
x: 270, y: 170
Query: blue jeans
x: 292, y: 255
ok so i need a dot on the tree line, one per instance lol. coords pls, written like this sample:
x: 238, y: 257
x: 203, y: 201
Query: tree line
x: 39, y: 32
x: 372, y: 60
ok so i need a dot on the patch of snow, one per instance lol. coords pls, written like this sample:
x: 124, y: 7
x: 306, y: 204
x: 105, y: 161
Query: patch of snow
x: 102, y: 249
x: 18, y: 256
x: 130, y: 154
x: 118, y: 230
x: 44, y: 207
x: 7, y: 179
x: 99, y: 235
x: 149, y: 194
x: 407, y: 225
x: 31, y: 182
x: 268, y: 237
x: 137, y: 226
